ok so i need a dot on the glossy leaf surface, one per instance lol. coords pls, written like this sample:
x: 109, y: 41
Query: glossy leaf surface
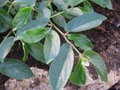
x: 36, y: 50
x: 5, y: 18
x: 87, y: 7
x: 45, y: 12
x: 42, y: 4
x: 35, y: 24
x: 33, y: 35
x: 21, y: 18
x: 60, y: 4
x: 98, y: 64
x: 81, y: 41
x: 78, y: 76
x: 60, y: 21
x: 72, y: 13
x: 5, y: 47
x: 73, y: 2
x: 103, y: 3
x: 24, y: 3
x: 3, y: 27
x: 51, y: 46
x: 61, y: 67
x: 84, y: 22
x: 15, y: 69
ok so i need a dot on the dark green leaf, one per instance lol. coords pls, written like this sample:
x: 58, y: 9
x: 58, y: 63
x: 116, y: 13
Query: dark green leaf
x: 24, y: 3
x: 33, y: 35
x: 98, y: 64
x: 60, y: 4
x: 3, y: 2
x: 39, y: 23
x: 78, y: 76
x: 12, y: 11
x: 73, y: 2
x: 51, y: 46
x: 5, y: 47
x: 61, y: 67
x: 72, y: 13
x: 81, y: 41
x: 21, y: 18
x: 84, y: 22
x: 25, y: 49
x: 5, y: 18
x: 103, y: 3
x: 15, y: 69
x: 36, y: 50
x: 60, y: 21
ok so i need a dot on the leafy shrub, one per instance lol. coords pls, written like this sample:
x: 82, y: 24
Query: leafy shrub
x: 31, y: 22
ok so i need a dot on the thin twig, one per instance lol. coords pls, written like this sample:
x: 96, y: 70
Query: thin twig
x: 56, y: 14
x: 64, y: 36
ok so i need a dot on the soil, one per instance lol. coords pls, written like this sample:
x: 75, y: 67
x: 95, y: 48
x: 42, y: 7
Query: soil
x: 106, y: 40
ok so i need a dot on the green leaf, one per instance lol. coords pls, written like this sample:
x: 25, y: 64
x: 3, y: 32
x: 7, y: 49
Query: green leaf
x: 45, y: 12
x: 60, y: 21
x: 33, y: 35
x: 78, y: 76
x: 12, y: 11
x: 84, y: 22
x: 3, y: 2
x: 81, y: 41
x: 98, y: 64
x: 43, y: 4
x: 21, y: 18
x: 26, y: 52
x: 72, y: 13
x: 24, y: 3
x: 73, y: 2
x: 60, y: 4
x: 61, y: 67
x: 5, y: 47
x: 51, y: 46
x: 39, y: 23
x: 15, y: 69
x: 3, y: 27
x: 50, y: 6
x: 5, y: 18
x: 104, y: 3
x: 87, y: 7
x: 36, y: 50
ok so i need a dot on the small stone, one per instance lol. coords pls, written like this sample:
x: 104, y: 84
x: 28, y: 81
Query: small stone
x: 111, y: 49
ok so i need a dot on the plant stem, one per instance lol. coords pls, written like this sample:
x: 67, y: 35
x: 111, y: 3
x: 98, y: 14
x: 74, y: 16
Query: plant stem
x: 64, y: 36
x: 11, y: 5
x: 35, y: 10
x: 14, y: 33
x: 6, y: 37
x: 56, y: 14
